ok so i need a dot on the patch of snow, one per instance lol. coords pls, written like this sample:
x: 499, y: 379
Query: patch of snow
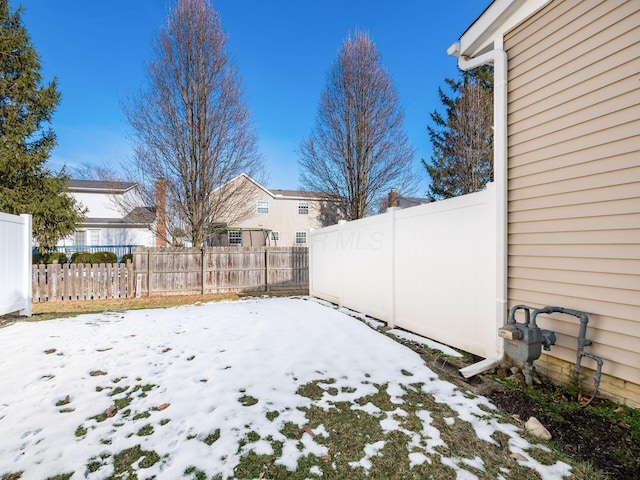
x: 461, y: 473
x: 315, y: 470
x: 430, y: 433
x: 389, y: 425
x: 396, y: 391
x: 412, y: 337
x: 372, y: 322
x: 417, y: 458
x: 398, y: 412
x: 319, y: 301
x: 370, y: 450
x: 368, y: 407
x: 320, y: 431
x: 475, y: 462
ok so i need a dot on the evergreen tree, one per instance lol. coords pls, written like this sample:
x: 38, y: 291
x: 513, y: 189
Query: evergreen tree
x: 26, y: 140
x: 462, y: 159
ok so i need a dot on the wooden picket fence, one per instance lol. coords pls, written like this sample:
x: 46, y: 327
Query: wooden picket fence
x: 58, y: 282
x: 171, y: 271
x: 176, y: 271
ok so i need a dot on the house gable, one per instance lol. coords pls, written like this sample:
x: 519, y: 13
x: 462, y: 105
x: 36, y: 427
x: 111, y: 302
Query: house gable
x: 279, y: 217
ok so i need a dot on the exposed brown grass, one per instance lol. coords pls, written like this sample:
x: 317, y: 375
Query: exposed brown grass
x: 50, y: 310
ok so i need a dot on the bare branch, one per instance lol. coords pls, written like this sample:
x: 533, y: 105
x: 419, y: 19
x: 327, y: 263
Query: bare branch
x: 358, y: 149
x: 191, y: 126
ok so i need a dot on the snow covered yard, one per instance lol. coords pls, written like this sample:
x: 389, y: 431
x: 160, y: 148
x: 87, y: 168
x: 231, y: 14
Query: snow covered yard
x: 260, y: 388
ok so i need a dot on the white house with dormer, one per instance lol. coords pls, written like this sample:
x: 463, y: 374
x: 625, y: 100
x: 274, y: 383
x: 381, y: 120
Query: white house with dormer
x: 105, y: 223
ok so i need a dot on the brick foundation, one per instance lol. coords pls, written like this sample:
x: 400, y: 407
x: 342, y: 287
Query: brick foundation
x: 560, y: 371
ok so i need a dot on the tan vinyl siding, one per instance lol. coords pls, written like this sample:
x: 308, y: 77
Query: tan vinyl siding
x: 574, y: 174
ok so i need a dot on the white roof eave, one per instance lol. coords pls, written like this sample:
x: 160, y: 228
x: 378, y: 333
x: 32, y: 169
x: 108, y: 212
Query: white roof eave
x: 499, y: 17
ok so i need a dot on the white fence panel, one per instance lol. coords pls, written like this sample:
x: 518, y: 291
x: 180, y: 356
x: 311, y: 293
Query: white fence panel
x: 429, y: 269
x: 446, y: 272
x: 325, y: 264
x: 15, y: 264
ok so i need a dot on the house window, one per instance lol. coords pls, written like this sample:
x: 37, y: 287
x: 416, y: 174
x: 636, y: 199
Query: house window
x: 275, y: 236
x: 80, y: 237
x: 301, y: 237
x: 303, y: 208
x: 235, y: 237
x: 263, y: 207
x: 94, y: 237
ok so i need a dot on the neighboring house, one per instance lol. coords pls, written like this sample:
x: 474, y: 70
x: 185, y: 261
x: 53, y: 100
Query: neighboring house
x: 567, y: 140
x: 276, y: 217
x: 105, y: 223
x: 399, y: 201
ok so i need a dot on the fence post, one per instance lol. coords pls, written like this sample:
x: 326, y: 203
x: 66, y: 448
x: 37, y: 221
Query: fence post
x: 204, y: 273
x: 53, y: 278
x: 34, y: 284
x: 27, y: 284
x: 149, y: 270
x: 65, y: 281
x: 73, y: 281
x: 267, y: 287
x: 341, y: 224
x: 392, y: 321
x: 309, y: 262
x: 129, y: 270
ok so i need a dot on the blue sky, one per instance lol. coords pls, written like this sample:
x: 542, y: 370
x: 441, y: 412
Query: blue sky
x: 283, y: 50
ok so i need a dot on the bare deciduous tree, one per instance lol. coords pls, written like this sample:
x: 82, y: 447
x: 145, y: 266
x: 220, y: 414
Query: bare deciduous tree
x: 358, y: 149
x: 191, y: 126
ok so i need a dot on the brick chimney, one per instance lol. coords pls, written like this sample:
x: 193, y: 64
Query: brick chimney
x: 392, y: 200
x: 161, y: 213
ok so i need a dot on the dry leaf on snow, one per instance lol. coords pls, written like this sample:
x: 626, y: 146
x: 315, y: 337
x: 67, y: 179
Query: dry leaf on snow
x: 306, y: 429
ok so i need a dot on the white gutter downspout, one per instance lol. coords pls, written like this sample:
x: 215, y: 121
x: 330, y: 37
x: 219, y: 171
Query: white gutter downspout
x: 498, y: 58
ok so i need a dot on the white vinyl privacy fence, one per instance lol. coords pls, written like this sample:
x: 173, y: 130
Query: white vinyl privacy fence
x: 15, y: 264
x: 430, y: 269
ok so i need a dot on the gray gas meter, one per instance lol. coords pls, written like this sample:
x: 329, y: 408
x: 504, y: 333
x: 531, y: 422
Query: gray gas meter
x: 525, y: 341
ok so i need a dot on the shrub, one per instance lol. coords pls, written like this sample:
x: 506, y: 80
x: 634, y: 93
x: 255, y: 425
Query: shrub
x: 81, y: 257
x: 61, y: 257
x: 94, y: 258
x: 125, y: 257
x: 104, y: 257
x: 49, y: 257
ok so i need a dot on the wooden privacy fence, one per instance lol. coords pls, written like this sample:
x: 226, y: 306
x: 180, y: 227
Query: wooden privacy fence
x: 169, y: 271
x: 176, y: 271
x: 57, y: 282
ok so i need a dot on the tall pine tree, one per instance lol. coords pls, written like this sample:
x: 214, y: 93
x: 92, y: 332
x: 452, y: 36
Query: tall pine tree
x: 462, y: 140
x: 26, y: 140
